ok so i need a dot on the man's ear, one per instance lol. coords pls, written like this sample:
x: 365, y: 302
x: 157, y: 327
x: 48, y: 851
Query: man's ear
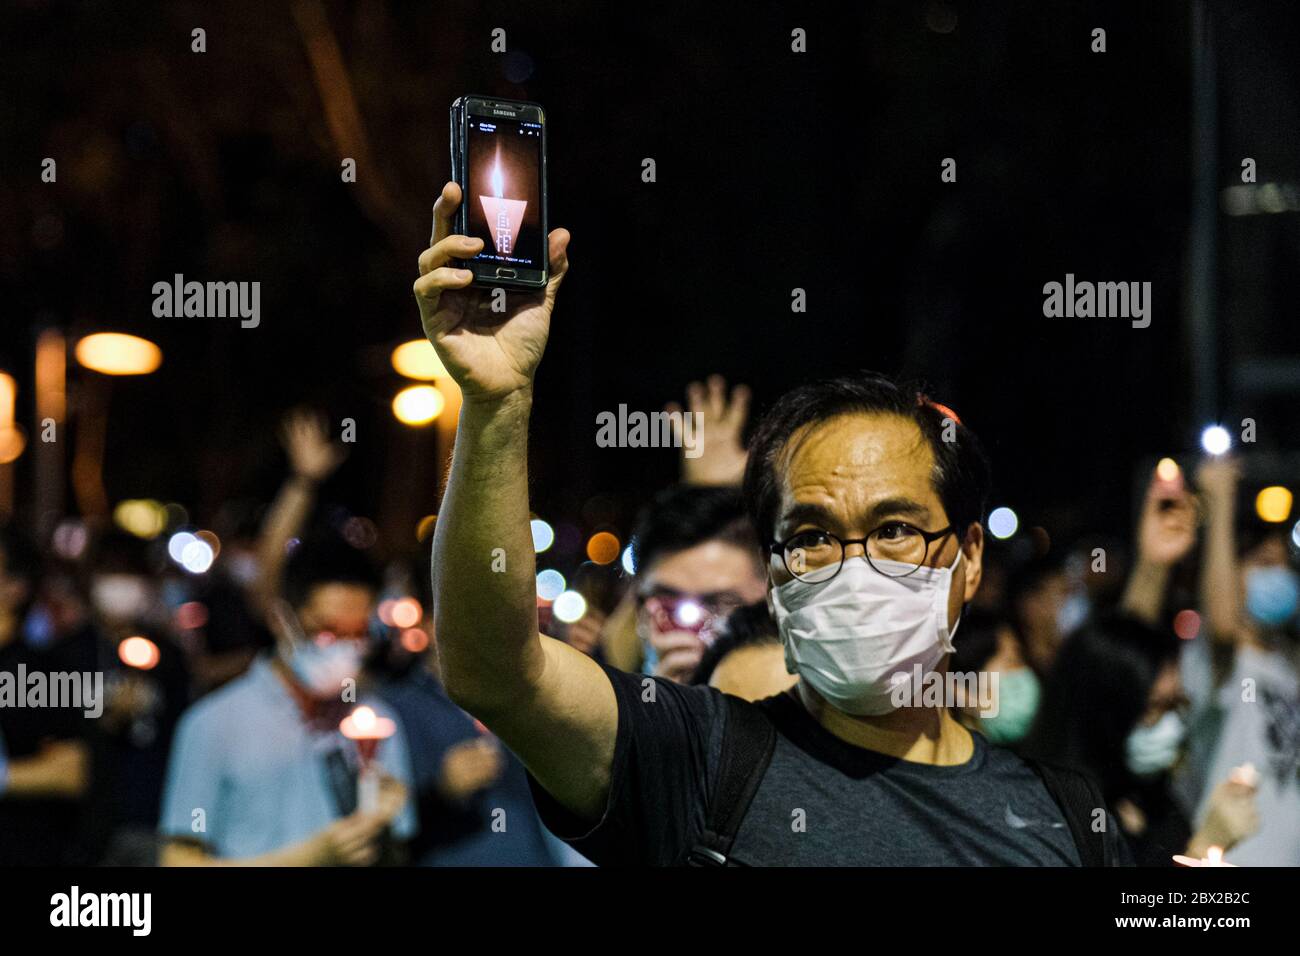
x: 972, y: 549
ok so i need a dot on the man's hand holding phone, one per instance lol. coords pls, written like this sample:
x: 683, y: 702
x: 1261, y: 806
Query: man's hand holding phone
x: 490, y: 354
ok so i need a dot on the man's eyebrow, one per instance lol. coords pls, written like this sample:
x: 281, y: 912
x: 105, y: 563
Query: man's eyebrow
x: 899, y: 506
x: 806, y: 513
x: 815, y: 514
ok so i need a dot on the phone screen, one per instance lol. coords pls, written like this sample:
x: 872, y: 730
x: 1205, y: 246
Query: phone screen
x: 504, y: 199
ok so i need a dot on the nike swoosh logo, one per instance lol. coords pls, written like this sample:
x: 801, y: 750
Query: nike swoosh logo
x: 1017, y: 822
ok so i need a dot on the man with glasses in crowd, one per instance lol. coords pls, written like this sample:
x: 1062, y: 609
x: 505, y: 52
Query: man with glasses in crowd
x: 870, y: 500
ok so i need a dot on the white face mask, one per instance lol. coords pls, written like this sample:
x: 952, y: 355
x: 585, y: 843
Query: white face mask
x: 853, y: 637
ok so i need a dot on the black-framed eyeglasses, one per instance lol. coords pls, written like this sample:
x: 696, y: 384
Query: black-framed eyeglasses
x: 895, y: 549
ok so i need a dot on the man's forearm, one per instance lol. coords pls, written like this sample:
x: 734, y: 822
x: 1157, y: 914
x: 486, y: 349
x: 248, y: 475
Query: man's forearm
x: 285, y: 519
x: 63, y: 775
x: 484, y: 590
x: 1219, y: 575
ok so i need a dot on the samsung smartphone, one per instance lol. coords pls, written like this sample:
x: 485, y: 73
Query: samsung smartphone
x: 498, y: 158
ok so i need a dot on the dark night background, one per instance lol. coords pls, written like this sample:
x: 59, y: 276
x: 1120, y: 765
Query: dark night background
x: 776, y: 170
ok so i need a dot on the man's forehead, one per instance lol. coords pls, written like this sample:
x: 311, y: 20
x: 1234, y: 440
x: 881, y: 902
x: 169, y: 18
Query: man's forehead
x: 858, y: 460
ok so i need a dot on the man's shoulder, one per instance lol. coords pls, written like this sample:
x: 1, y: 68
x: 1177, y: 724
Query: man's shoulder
x: 227, y: 702
x: 699, y: 699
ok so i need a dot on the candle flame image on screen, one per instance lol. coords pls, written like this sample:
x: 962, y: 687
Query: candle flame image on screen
x: 497, y: 183
x: 504, y: 216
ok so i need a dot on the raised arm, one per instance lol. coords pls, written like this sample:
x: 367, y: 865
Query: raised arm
x: 1166, y: 533
x: 1220, y: 589
x: 312, y: 459
x: 550, y: 703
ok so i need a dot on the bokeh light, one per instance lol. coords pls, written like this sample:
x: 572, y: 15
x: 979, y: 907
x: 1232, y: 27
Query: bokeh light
x: 139, y: 652
x: 114, y: 353
x: 543, y: 535
x: 550, y: 584
x: 569, y: 606
x: 415, y: 640
x: 417, y: 359
x: 602, y: 547
x: 1216, y: 440
x: 197, y: 556
x: 177, y: 544
x: 1187, y: 624
x: 141, y: 517
x: 1273, y: 504
x: 1003, y: 523
x: 406, y: 612
x: 418, y: 405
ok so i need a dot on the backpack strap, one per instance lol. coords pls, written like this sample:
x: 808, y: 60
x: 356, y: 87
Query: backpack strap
x: 748, y: 741
x: 1079, y: 797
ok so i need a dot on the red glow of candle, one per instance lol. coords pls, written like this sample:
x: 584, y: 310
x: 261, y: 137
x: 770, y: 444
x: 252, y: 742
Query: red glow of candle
x: 365, y: 728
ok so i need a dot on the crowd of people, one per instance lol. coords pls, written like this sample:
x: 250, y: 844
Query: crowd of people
x: 1149, y: 695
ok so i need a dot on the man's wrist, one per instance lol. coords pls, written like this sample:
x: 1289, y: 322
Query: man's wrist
x: 516, y: 406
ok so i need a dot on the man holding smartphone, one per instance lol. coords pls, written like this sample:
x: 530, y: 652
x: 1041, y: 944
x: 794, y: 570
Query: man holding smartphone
x: 871, y: 522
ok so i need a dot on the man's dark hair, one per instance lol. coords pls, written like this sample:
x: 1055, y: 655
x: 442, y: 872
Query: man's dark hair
x: 961, y: 470
x: 326, y: 560
x: 748, y: 626
x: 684, y: 516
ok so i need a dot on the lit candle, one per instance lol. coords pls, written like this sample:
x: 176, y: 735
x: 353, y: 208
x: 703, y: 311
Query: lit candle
x: 365, y: 728
x: 1213, y: 857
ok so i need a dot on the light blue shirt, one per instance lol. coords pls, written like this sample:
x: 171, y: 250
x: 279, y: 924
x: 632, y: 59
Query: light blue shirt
x: 247, y: 775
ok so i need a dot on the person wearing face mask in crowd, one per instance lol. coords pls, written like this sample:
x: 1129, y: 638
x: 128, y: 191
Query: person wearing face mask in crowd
x: 988, y: 644
x: 1242, y: 672
x: 746, y: 658
x: 696, y: 560
x: 871, y: 524
x: 1113, y: 705
x: 260, y: 773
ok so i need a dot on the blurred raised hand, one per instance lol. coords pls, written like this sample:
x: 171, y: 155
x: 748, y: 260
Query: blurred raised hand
x: 722, y: 455
x: 1167, y: 526
x: 305, y: 437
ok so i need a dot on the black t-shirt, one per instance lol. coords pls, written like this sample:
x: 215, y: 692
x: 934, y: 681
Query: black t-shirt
x: 822, y: 801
